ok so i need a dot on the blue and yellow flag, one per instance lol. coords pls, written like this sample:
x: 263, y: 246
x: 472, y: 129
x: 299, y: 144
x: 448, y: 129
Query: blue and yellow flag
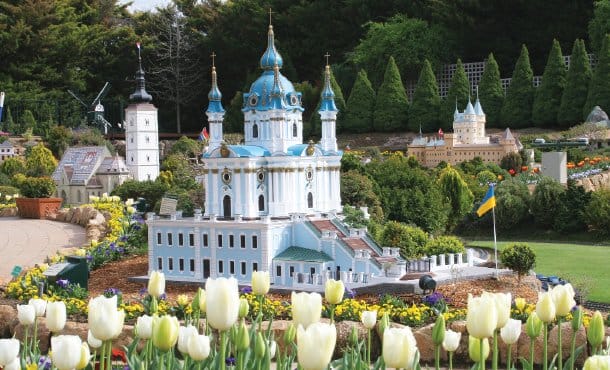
x: 488, y: 202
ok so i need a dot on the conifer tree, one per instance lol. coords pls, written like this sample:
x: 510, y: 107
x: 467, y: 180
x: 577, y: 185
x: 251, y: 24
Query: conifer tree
x: 359, y: 111
x: 234, y: 117
x: 577, y: 85
x: 391, y: 103
x: 599, y: 88
x: 426, y: 101
x: 548, y: 95
x: 517, y: 108
x: 315, y: 124
x: 491, y: 92
x: 9, y: 124
x: 28, y: 122
x: 458, y: 94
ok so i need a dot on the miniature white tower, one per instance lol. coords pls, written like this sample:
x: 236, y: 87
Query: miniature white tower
x: 328, y: 114
x: 215, y: 112
x: 142, y: 131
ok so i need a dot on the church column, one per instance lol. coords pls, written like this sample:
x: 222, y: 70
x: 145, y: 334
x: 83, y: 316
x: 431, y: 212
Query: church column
x: 237, y: 189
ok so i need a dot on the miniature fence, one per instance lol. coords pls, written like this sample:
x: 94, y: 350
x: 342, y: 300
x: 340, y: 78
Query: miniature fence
x: 441, y: 262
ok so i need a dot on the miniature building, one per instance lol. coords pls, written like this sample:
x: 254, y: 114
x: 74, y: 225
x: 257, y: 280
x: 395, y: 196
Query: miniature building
x: 271, y: 203
x: 7, y: 150
x: 86, y: 171
x: 467, y: 141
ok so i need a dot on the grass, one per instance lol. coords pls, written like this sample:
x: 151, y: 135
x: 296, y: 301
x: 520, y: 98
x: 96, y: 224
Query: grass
x: 586, y: 266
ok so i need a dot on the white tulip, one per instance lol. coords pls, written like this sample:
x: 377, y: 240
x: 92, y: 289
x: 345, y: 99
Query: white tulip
x: 369, y: 319
x: 563, y: 299
x: 198, y: 346
x: 306, y: 308
x: 184, y: 333
x: 156, y: 284
x: 105, y: 321
x: 93, y: 341
x: 315, y: 345
x: 482, y: 316
x: 545, y: 307
x: 261, y: 282
x: 451, y: 342
x: 56, y: 316
x: 40, y: 305
x: 9, y: 349
x: 129, y: 202
x: 503, y: 305
x: 85, y: 356
x: 399, y: 347
x: 511, y: 331
x: 144, y: 326
x: 15, y: 365
x: 66, y: 351
x: 222, y: 308
x: 26, y: 314
x: 272, y: 349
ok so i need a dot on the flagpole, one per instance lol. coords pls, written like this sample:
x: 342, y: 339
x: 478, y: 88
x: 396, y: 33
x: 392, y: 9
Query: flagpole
x: 493, y: 214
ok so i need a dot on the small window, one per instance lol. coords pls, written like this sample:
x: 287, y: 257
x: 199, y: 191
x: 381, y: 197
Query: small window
x: 309, y: 200
x: 170, y: 239
x: 242, y: 241
x: 231, y: 241
x: 159, y: 263
x: 254, y: 266
x: 291, y: 271
x: 254, y: 242
x: 181, y: 264
x: 170, y: 264
x: 219, y: 240
x: 192, y: 240
x: 255, y: 131
x: 243, y: 268
x: 131, y: 140
x: 180, y: 239
x: 294, y: 130
x: 205, y: 240
x: 261, y: 203
x: 159, y: 238
x: 232, y: 267
x: 221, y: 267
x: 278, y: 270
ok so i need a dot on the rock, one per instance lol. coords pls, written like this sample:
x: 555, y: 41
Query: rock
x: 344, y: 330
x: 76, y: 212
x: 278, y: 327
x: 8, y: 320
x: 423, y: 336
x: 8, y: 212
x: 43, y: 334
x: 597, y: 115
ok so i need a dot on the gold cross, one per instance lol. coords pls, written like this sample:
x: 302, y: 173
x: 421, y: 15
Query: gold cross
x: 270, y: 12
x: 213, y: 55
x: 327, y: 55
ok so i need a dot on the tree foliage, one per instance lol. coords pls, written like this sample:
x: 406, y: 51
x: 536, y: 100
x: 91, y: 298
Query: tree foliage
x: 491, y: 92
x: 186, y: 146
x: 151, y: 191
x: 512, y: 203
x: 444, y: 244
x: 457, y: 96
x: 59, y: 139
x: 577, y: 86
x: 358, y: 190
x: 426, y: 101
x: 411, y: 240
x: 360, y: 104
x: 391, y: 104
x: 572, y: 209
x: 548, y: 95
x: 597, y: 215
x: 518, y: 257
x: 546, y: 201
x: 456, y: 194
x: 599, y: 87
x: 511, y: 161
x: 599, y: 25
x: 40, y: 161
x: 517, y: 108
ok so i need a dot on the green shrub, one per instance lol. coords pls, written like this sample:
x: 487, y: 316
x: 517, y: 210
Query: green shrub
x: 37, y: 187
x: 444, y: 244
x: 518, y: 257
x: 410, y: 239
x: 512, y: 161
x: 8, y: 190
x: 597, y: 215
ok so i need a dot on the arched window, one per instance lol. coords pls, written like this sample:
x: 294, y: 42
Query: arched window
x: 255, y: 130
x: 309, y: 200
x: 261, y: 203
x: 294, y: 130
x: 226, y: 206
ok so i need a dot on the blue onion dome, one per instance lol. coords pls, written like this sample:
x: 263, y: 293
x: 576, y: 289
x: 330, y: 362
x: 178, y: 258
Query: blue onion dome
x: 328, y: 95
x: 271, y: 57
x: 215, y: 105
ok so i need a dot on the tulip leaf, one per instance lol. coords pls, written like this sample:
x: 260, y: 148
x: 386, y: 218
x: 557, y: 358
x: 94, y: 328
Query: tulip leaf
x: 577, y: 353
x: 525, y: 364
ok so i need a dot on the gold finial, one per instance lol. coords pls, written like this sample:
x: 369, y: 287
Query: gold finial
x: 327, y: 55
x: 270, y: 12
x: 213, y: 55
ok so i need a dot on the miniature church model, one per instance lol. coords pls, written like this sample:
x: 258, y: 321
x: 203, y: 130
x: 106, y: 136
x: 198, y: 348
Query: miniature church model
x: 271, y: 204
x: 142, y: 132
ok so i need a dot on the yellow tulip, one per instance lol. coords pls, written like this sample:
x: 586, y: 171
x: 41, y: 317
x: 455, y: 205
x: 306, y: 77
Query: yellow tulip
x: 520, y: 304
x: 333, y: 291
x: 474, y: 349
x: 261, y: 282
x: 315, y: 345
x: 545, y: 308
x: 482, y: 316
x: 182, y: 300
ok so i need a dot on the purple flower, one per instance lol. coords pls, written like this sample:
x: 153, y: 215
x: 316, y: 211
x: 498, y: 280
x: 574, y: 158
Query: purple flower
x: 433, y: 299
x: 123, y: 238
x: 350, y: 293
x: 63, y: 283
x: 112, y: 291
x: 45, y: 362
x: 113, y: 246
x: 230, y: 361
x: 89, y: 258
x: 163, y: 297
x: 143, y: 292
x: 246, y: 290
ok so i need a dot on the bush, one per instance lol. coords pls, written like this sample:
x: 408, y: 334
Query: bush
x: 597, y: 215
x: 518, y: 257
x: 37, y: 187
x: 511, y: 161
x: 444, y: 244
x: 8, y: 190
x: 410, y: 239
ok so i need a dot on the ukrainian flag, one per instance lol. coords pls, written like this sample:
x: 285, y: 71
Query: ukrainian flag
x: 488, y: 202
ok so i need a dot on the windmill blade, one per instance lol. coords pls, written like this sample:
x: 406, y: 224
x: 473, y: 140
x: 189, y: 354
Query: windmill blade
x: 101, y: 94
x: 77, y: 98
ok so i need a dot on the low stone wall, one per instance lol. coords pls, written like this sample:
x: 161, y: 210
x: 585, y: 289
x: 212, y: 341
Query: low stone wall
x: 94, y: 221
x: 595, y: 182
x: 8, y: 212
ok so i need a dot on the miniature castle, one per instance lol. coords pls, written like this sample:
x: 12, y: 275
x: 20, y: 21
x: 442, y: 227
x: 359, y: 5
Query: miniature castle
x: 271, y: 204
x: 467, y: 141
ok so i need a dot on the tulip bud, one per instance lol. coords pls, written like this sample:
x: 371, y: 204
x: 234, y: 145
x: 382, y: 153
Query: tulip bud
x: 66, y: 351
x: 306, y: 308
x: 261, y: 282
x: 165, y: 332
x: 144, y: 326
x: 201, y: 296
x: 596, y: 331
x: 533, y: 326
x: 93, y: 341
x: 520, y: 304
x: 26, y: 314
x: 482, y: 316
x: 511, y: 331
x: 384, y: 323
x: 199, y: 347
x: 353, y: 337
x: 333, y: 291
x: 130, y: 210
x: 545, y: 308
x: 563, y: 298
x: 369, y: 318
x: 184, y: 333
x: 399, y: 347
x: 244, y: 308
x: 597, y: 363
x: 577, y: 319
x: 225, y: 295
x: 474, y: 349
x: 56, y: 316
x: 243, y: 338
x: 260, y: 347
x: 182, y: 300
x: 156, y: 284
x: 290, y: 334
x: 85, y: 356
x: 40, y: 305
x: 272, y: 349
x: 9, y: 350
x: 315, y: 345
x: 438, y: 331
x: 452, y: 340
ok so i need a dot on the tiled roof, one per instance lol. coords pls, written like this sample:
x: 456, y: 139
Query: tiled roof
x: 303, y: 254
x: 83, y: 161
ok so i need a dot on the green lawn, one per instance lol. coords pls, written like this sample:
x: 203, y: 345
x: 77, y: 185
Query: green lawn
x: 585, y: 265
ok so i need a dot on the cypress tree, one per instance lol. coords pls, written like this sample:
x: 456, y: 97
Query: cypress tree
x: 315, y: 124
x: 426, y: 101
x: 491, y: 92
x: 548, y: 94
x: 599, y: 88
x: 359, y: 110
x: 517, y: 108
x: 391, y: 103
x: 9, y: 124
x: 234, y: 117
x: 577, y: 85
x: 458, y: 93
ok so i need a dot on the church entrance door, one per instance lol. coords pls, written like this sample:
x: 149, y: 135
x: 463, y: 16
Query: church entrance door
x: 226, y: 206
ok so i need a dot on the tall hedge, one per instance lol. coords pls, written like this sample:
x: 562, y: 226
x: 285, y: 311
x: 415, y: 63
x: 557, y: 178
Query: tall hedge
x: 458, y: 93
x: 359, y: 110
x: 391, y: 103
x: 426, y: 101
x: 599, y: 88
x: 491, y: 92
x: 517, y: 108
x: 577, y: 86
x: 548, y: 95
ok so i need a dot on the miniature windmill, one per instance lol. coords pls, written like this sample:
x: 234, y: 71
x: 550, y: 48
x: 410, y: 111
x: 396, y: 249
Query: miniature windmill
x: 95, y: 110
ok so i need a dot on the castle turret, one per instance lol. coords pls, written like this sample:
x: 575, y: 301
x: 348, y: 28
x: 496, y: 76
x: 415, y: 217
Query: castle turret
x: 328, y: 115
x: 215, y: 112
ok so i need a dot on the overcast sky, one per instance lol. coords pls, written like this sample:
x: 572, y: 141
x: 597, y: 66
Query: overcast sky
x: 146, y: 4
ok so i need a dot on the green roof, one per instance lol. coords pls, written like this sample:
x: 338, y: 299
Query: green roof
x: 303, y: 254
